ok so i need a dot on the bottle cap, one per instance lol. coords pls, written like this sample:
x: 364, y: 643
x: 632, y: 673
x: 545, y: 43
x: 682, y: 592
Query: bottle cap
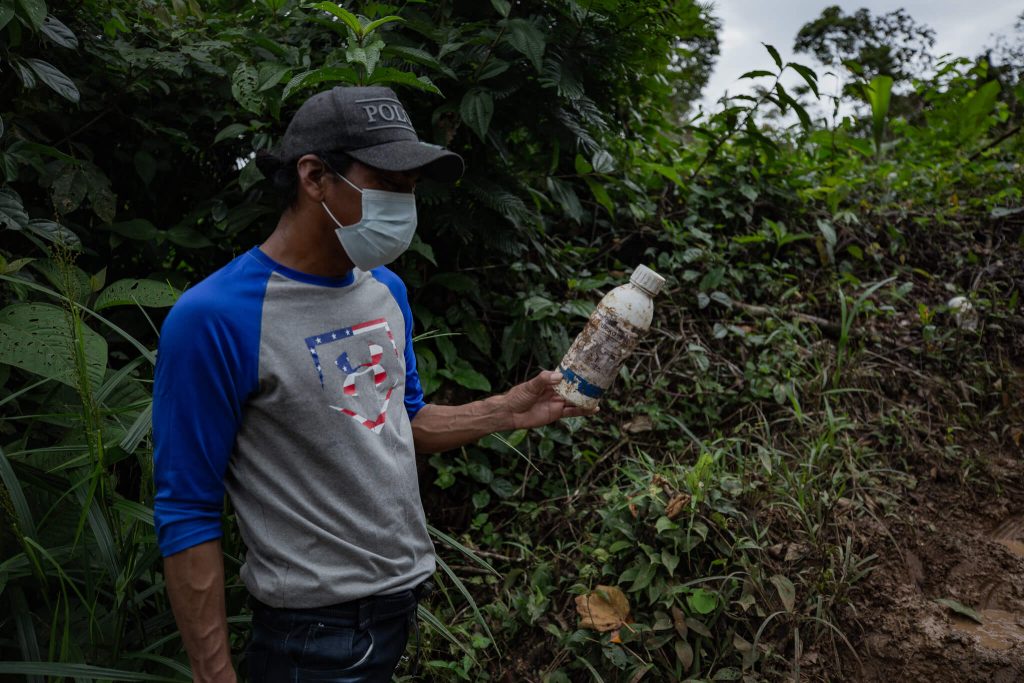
x: 647, y: 280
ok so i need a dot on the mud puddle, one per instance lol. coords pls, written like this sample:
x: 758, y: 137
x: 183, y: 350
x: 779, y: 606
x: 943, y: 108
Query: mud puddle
x: 999, y: 629
x: 954, y: 545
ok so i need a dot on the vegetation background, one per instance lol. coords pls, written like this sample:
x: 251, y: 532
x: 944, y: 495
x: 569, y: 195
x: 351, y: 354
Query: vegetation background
x: 805, y: 373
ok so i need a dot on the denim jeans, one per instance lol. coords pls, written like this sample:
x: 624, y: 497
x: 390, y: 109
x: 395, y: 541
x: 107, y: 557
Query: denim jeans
x: 357, y: 642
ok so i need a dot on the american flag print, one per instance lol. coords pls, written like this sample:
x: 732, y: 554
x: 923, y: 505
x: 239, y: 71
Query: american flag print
x: 350, y: 371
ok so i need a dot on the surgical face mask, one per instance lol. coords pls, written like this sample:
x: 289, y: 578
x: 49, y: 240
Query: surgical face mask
x: 385, y: 230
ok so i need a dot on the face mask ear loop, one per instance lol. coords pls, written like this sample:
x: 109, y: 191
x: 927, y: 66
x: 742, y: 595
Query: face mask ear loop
x: 350, y: 183
x: 336, y: 221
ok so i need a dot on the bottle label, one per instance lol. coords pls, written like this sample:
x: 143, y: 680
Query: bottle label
x: 594, y: 358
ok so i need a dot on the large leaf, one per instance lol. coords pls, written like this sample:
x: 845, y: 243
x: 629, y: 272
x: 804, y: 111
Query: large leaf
x: 55, y: 79
x: 973, y: 113
x: 37, y: 338
x: 129, y: 292
x: 476, y: 110
x: 786, y: 590
x: 136, y: 229
x: 605, y: 609
x: 12, y: 213
x: 245, y: 84
x: 391, y: 76
x: 527, y: 39
x: 327, y: 74
x: 351, y: 20
x: 69, y: 188
x: 6, y: 14
x: 60, y: 34
x: 879, y: 93
x: 34, y: 11
x: 54, y: 232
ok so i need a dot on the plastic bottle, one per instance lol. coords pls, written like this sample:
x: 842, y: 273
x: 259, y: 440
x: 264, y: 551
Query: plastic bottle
x: 616, y: 325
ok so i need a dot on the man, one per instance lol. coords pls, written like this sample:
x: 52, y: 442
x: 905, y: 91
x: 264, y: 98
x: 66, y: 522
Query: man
x: 287, y: 379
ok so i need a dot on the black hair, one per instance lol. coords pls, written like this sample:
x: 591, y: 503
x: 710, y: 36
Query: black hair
x: 284, y: 178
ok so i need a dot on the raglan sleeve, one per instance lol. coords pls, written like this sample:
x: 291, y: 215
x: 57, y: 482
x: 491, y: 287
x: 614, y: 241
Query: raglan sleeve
x: 204, y: 374
x: 414, y: 401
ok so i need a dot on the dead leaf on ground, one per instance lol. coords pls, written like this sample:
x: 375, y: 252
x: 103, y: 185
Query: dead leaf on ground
x: 679, y: 621
x: 605, y: 609
x: 677, y: 505
x: 641, y: 423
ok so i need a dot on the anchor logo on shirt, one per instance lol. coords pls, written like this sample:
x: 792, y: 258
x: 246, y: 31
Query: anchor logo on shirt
x: 353, y: 371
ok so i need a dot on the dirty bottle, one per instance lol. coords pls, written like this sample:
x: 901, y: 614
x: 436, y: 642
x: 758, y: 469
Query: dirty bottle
x: 616, y: 325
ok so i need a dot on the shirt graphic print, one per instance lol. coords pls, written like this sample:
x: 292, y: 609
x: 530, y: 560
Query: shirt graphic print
x: 362, y: 389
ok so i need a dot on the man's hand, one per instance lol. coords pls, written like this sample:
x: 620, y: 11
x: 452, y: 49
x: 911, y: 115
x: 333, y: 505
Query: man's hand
x: 534, y: 403
x: 530, y: 404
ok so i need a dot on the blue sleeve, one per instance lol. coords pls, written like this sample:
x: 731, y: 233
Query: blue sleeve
x: 413, y: 390
x: 207, y: 366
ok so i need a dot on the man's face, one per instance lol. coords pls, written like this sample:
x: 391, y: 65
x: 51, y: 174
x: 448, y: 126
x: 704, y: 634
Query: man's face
x: 345, y: 201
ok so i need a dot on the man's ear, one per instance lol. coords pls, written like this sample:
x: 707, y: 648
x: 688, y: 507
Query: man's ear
x: 312, y: 176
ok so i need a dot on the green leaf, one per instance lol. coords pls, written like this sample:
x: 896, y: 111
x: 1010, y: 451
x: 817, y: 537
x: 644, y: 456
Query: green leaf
x: 185, y: 236
x: 774, y: 53
x: 244, y: 87
x: 503, y: 487
x: 22, y: 512
x: 563, y: 193
x: 665, y: 524
x: 55, y: 79
x: 602, y: 161
x: 270, y: 75
x: 37, y: 339
x: 959, y: 608
x: 6, y: 14
x: 582, y: 166
x: 702, y: 601
x: 494, y: 67
x: 388, y: 75
x: 54, y: 232
x: 351, y: 20
x: 809, y: 75
x: 137, y: 229
x: 130, y: 292
x: 57, y: 32
x: 527, y: 39
x: 12, y: 213
x: 69, y: 189
x: 601, y: 196
x: 327, y: 74
x: 367, y: 55
x: 249, y: 176
x: 786, y: 590
x: 461, y: 373
x: 230, y: 132
x: 377, y: 23
x: 758, y: 74
x: 879, y: 93
x: 476, y: 110
x: 34, y: 11
x: 502, y: 7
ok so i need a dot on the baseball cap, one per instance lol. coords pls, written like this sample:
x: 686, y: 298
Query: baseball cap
x: 368, y: 124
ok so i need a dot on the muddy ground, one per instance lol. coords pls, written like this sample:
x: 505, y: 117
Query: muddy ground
x: 958, y: 539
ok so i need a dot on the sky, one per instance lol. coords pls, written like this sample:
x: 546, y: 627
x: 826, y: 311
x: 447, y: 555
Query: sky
x: 962, y: 27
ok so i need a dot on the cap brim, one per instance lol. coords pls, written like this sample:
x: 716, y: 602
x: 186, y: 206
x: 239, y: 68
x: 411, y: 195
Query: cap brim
x: 436, y: 163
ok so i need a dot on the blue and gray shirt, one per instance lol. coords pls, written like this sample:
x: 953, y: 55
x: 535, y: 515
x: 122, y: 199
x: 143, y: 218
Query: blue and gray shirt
x: 294, y: 394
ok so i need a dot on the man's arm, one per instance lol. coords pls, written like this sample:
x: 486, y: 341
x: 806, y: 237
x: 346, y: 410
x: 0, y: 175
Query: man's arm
x: 533, y: 403
x: 195, y: 585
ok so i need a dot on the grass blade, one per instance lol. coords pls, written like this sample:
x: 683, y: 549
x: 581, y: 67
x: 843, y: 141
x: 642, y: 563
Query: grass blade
x: 455, y: 545
x: 461, y: 587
